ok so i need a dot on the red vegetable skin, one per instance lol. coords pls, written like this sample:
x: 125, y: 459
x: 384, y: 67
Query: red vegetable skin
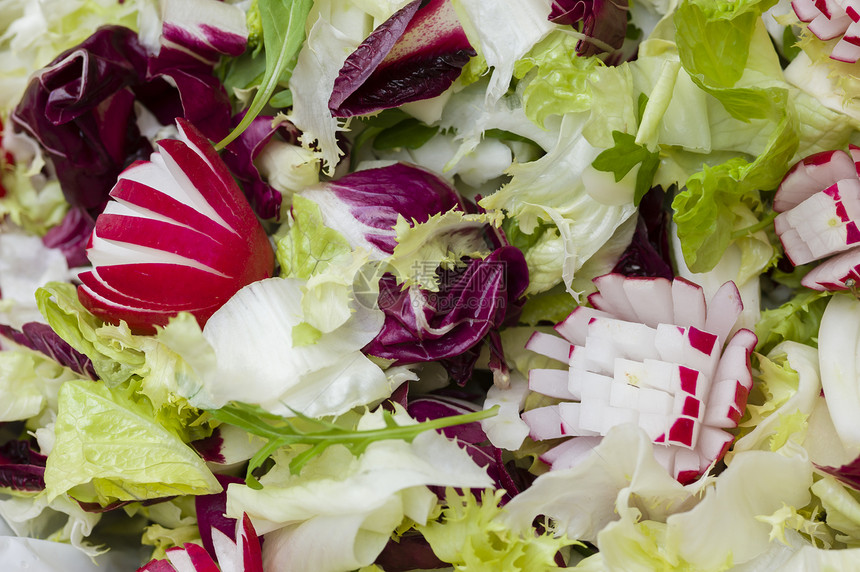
x: 179, y: 235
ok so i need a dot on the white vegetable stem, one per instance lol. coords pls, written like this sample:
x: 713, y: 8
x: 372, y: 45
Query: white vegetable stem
x: 838, y: 346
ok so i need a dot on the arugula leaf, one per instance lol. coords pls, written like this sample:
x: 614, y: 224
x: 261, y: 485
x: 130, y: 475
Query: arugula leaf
x: 283, y: 23
x: 309, y: 246
x: 321, y: 434
x: 625, y: 155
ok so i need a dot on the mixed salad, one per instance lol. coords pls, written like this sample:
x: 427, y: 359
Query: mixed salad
x: 391, y: 285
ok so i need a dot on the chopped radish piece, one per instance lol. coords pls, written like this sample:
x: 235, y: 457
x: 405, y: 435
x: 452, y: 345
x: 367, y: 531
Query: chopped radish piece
x: 547, y: 423
x: 820, y: 200
x: 812, y: 174
x: 611, y: 297
x: 830, y: 19
x: 570, y: 453
x: 549, y: 346
x: 658, y: 291
x: 574, y: 327
x: 551, y: 382
x: 689, y: 303
x: 725, y: 309
x: 838, y: 273
x: 647, y: 370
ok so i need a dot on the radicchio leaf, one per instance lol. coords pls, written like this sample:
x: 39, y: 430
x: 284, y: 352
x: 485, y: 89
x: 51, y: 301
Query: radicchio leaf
x: 604, y: 20
x: 71, y: 236
x: 416, y: 54
x: 239, y: 156
x: 42, y: 338
x: 449, y: 325
x: 21, y: 468
x: 469, y: 435
x: 375, y: 198
x: 648, y: 253
x: 211, y: 511
x: 80, y: 108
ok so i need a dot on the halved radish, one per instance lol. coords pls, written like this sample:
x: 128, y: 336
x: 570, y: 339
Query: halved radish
x: 178, y: 236
x: 627, y: 366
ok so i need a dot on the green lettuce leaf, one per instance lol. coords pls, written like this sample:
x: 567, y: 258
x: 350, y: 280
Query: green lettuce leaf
x: 557, y: 80
x: 625, y: 156
x: 442, y: 240
x: 109, y: 447
x: 114, y: 350
x: 470, y: 536
x: 796, y: 320
x: 308, y: 246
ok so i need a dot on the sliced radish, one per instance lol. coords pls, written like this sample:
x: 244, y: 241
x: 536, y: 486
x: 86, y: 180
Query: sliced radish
x: 551, y: 382
x: 812, y: 174
x: 550, y: 346
x: 179, y: 236
x: 574, y: 327
x: 612, y: 298
x: 825, y: 223
x: 570, y: 453
x: 658, y: 291
x: 724, y: 310
x: 547, y: 423
x: 653, y: 373
x: 805, y: 9
x: 840, y: 272
x: 688, y: 299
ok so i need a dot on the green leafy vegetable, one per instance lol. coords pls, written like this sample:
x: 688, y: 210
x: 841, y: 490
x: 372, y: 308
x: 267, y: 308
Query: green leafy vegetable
x: 408, y: 134
x: 283, y: 24
x: 321, y: 434
x: 797, y: 320
x: 472, y: 537
x: 309, y: 246
x: 110, y: 447
x: 626, y: 155
x: 556, y: 79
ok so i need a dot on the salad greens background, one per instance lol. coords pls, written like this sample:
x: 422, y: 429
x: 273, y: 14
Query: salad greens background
x: 647, y: 140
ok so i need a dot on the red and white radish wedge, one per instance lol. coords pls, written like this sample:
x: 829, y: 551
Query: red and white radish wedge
x: 628, y: 365
x: 841, y: 272
x: 812, y: 174
x: 822, y: 225
x: 829, y: 19
x: 243, y: 554
x: 179, y: 235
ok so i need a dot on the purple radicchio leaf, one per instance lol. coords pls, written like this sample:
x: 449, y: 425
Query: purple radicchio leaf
x: 416, y: 54
x: 409, y: 552
x: 449, y: 325
x: 21, y: 468
x: 648, y: 253
x: 239, y: 156
x: 80, y: 110
x: 374, y: 199
x: 604, y: 20
x: 41, y: 338
x: 71, y: 237
x: 211, y: 511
